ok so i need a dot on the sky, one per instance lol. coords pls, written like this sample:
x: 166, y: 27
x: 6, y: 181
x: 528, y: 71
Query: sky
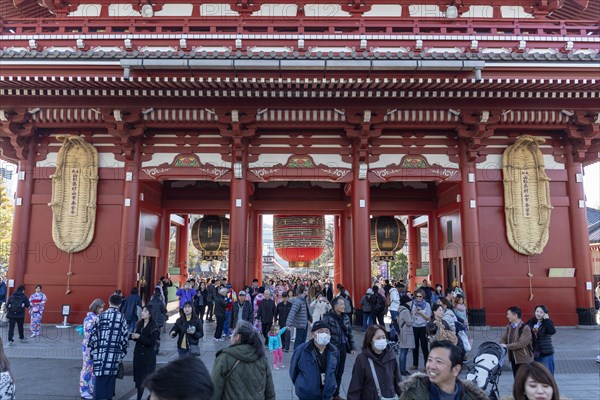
x: 591, y: 185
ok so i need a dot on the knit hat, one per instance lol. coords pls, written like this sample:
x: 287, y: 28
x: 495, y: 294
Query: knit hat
x: 369, y: 291
x: 405, y: 299
x: 242, y: 293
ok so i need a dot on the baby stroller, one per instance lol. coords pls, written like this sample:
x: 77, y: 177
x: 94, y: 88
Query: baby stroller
x: 486, y: 368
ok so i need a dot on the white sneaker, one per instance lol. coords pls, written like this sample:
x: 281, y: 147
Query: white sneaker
x: 598, y: 358
x: 33, y: 335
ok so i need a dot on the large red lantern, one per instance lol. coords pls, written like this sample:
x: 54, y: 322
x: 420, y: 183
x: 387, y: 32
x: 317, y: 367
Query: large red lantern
x: 388, y: 235
x: 299, y: 239
x: 210, y: 235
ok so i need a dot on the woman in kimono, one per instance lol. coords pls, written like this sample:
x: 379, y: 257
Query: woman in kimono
x: 86, y: 378
x: 37, y: 301
x: 259, y: 297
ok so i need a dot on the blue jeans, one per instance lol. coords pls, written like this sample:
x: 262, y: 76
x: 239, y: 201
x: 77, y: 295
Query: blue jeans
x: 402, y: 359
x: 226, y: 330
x: 367, y: 320
x: 548, y: 361
x: 132, y: 326
x: 300, y: 337
x: 183, y: 352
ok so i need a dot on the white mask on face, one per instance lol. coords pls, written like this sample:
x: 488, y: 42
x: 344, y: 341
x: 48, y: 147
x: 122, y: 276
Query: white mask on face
x: 323, y: 339
x: 379, y: 344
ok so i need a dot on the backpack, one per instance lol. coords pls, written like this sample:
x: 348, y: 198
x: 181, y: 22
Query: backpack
x: 15, y: 306
x: 377, y: 303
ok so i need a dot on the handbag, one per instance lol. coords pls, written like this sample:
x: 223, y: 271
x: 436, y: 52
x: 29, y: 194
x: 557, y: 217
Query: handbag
x: 121, y: 371
x: 379, y: 396
x: 465, y: 340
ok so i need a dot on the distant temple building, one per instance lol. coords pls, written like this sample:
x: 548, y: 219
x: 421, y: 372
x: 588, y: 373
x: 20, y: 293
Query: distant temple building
x: 126, y: 119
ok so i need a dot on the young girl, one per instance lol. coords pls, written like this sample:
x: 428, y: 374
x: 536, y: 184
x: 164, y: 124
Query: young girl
x: 460, y: 308
x: 275, y: 346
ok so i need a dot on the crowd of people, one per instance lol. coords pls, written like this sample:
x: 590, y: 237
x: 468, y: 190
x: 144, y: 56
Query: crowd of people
x: 313, y: 314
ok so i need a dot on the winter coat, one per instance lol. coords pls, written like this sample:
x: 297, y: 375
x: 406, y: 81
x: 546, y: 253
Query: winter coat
x: 348, y: 306
x: 159, y: 311
x: 108, y: 342
x: 180, y: 328
x: 394, y: 299
x: 337, y: 330
x: 247, y: 313
x: 211, y: 293
x: 450, y: 318
x: 15, y: 299
x: 129, y: 307
x: 275, y: 340
x: 266, y: 311
x: 518, y: 345
x: 541, y: 339
x: 250, y: 379
x: 299, y: 315
x: 220, y: 306
x: 185, y: 295
x: 362, y: 385
x: 144, y: 354
x: 201, y: 298
x: 364, y: 302
x: 416, y: 387
x: 283, y: 310
x: 320, y: 308
x: 406, y: 338
x: 306, y: 375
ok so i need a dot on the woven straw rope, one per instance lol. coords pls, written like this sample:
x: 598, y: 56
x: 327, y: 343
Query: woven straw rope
x: 74, y: 232
x: 526, y: 234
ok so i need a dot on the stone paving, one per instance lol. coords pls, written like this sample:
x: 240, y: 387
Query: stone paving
x: 57, y: 356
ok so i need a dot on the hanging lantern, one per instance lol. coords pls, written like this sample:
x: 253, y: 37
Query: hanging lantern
x: 299, y: 239
x: 388, y: 235
x: 210, y: 235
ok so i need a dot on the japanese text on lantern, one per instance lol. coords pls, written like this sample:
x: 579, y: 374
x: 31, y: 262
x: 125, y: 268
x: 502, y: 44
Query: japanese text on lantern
x: 526, y: 197
x: 74, y: 190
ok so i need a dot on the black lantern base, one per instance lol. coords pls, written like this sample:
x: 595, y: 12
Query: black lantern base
x: 476, y: 316
x: 587, y: 316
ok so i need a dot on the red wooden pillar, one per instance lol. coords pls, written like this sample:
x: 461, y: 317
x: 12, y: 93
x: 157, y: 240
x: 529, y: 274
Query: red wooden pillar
x: 183, y: 239
x: 414, y: 255
x: 337, y: 238
x: 165, y: 227
x: 580, y: 241
x: 437, y: 275
x: 21, y: 221
x: 254, y: 245
x: 130, y: 222
x: 238, y: 227
x: 257, y: 273
x: 361, y: 237
x: 471, y: 252
x: 344, y: 275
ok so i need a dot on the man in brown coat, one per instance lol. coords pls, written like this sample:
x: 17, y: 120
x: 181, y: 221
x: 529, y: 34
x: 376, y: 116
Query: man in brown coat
x: 517, y: 339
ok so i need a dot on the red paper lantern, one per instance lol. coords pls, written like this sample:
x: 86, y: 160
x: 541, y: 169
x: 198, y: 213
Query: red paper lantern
x: 299, y: 239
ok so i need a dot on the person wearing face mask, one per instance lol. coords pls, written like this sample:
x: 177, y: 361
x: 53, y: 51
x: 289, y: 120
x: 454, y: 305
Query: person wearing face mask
x: 313, y: 365
x: 342, y: 337
x: 328, y: 291
x: 375, y: 374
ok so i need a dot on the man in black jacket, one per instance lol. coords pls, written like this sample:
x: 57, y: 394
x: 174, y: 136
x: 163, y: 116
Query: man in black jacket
x: 220, y: 310
x: 283, y: 310
x: 266, y: 315
x: 15, y: 306
x: 241, y: 310
x: 341, y: 337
